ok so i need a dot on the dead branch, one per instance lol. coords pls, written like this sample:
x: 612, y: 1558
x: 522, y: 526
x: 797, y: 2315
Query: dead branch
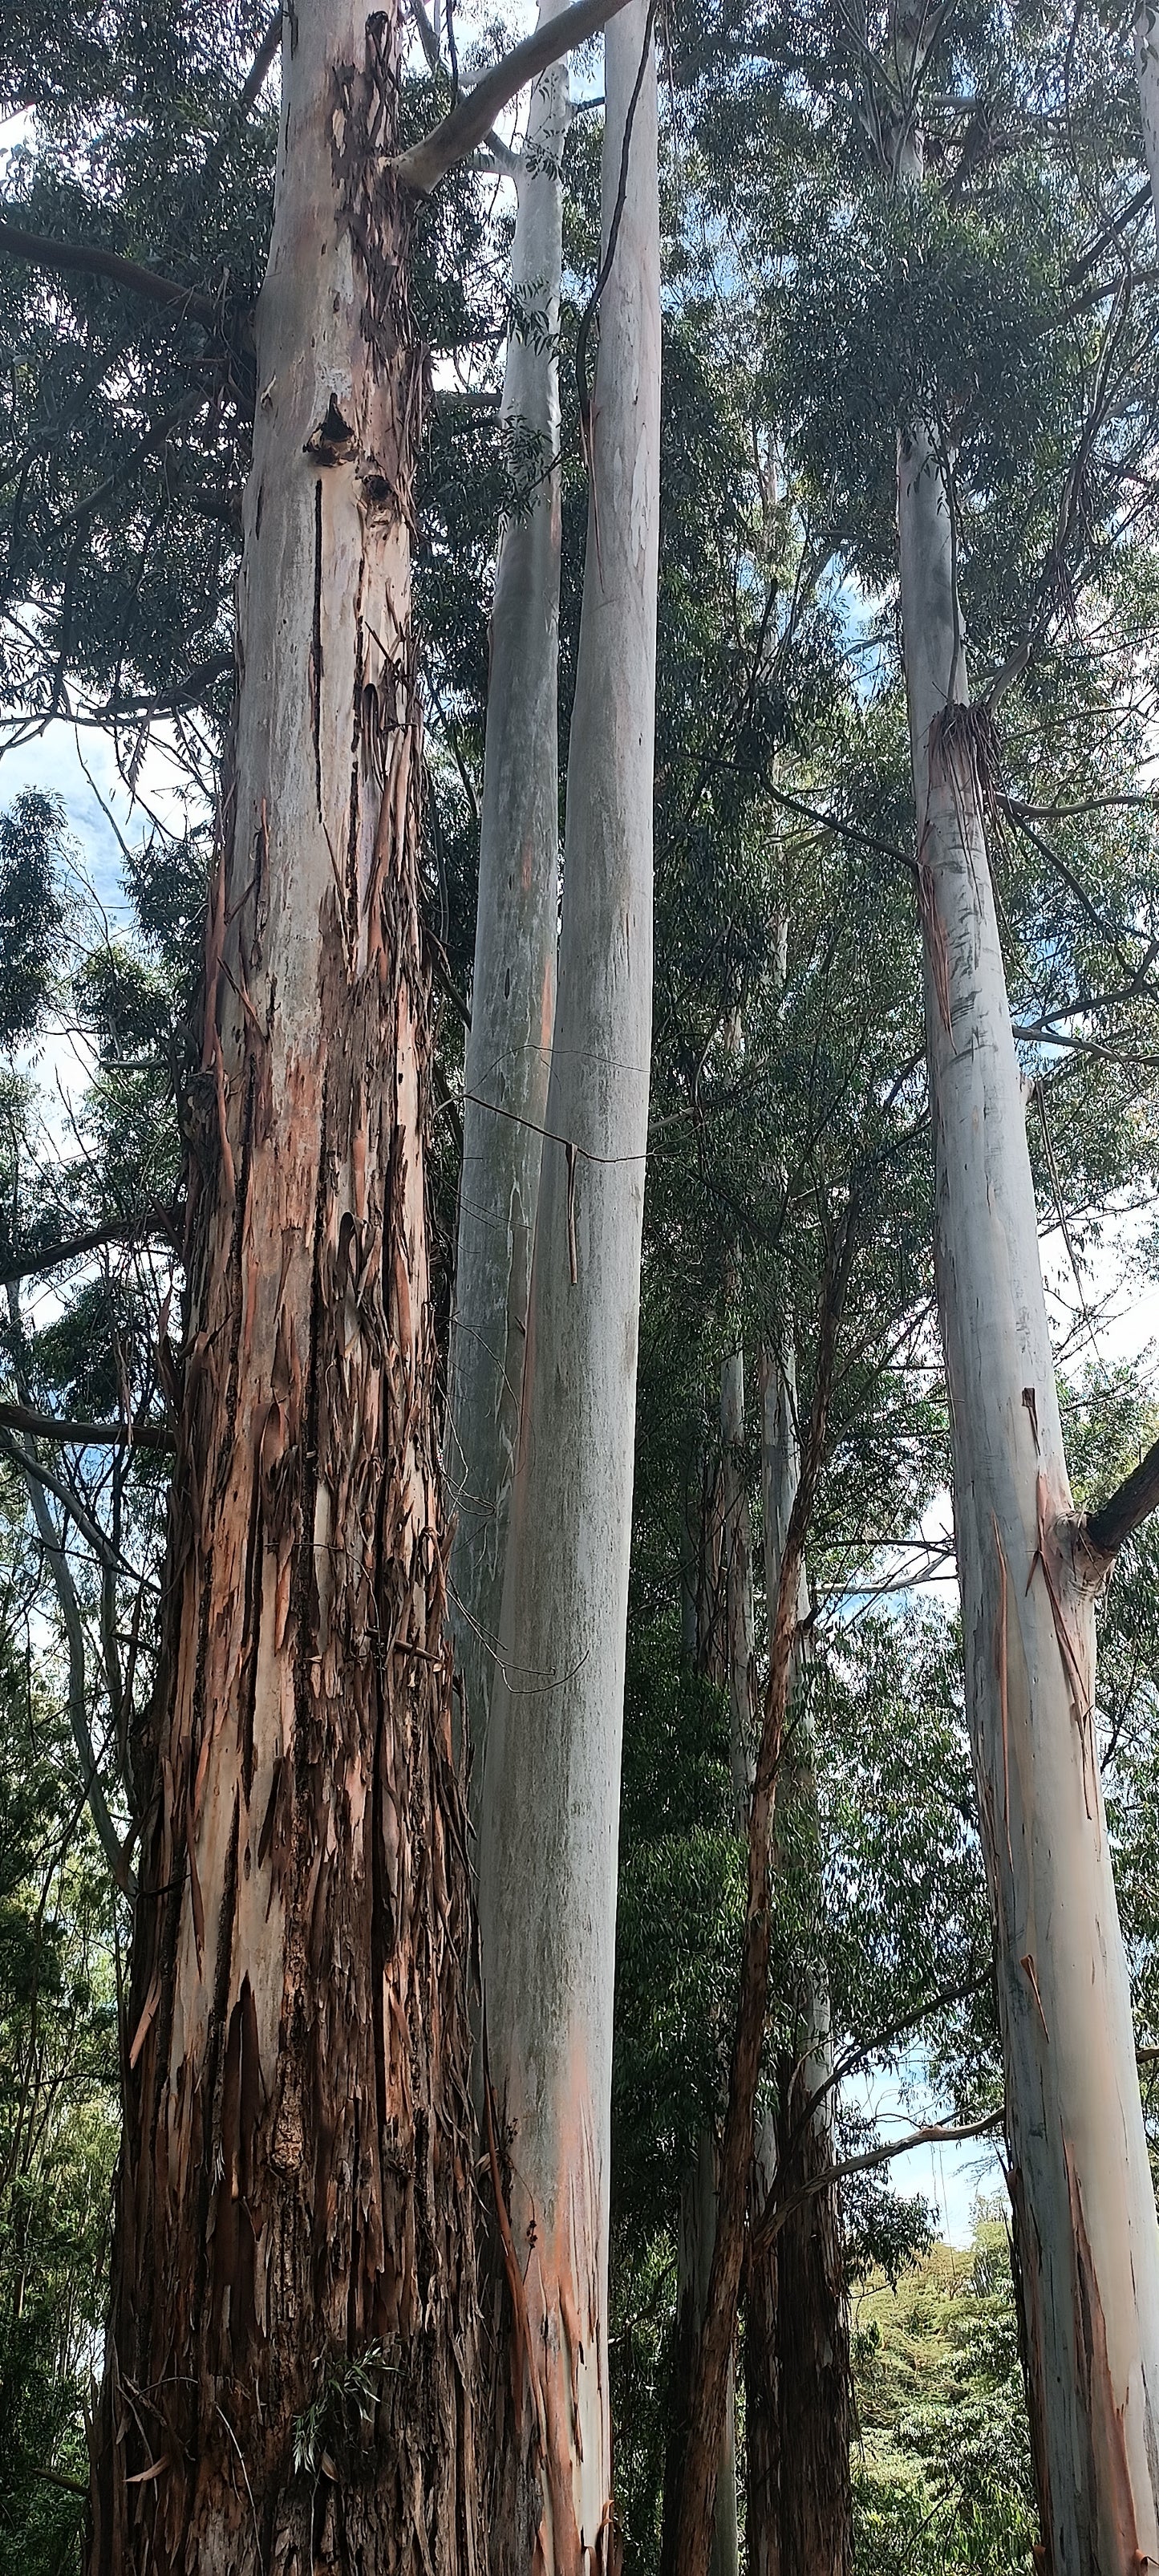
x: 26, y: 1261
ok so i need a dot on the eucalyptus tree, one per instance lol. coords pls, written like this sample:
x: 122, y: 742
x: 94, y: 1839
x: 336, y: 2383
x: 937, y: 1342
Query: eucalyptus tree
x: 294, y: 2219
x: 797, y: 2361
x: 287, y: 1976
x: 549, y: 1796
x: 508, y: 1050
x: 1029, y: 1570
x: 938, y: 349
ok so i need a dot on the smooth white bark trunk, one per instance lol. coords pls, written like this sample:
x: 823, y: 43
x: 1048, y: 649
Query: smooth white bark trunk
x: 550, y: 1789
x: 508, y: 1051
x: 1087, y: 2236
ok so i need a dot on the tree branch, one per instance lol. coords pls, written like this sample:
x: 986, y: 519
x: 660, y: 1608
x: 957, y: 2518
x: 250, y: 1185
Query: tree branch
x: 26, y: 1261
x: 772, y: 2220
x: 469, y: 123
x: 1113, y: 1522
x: 259, y: 70
x: 87, y: 260
x: 426, y: 34
x: 56, y: 1552
x: 85, y: 1435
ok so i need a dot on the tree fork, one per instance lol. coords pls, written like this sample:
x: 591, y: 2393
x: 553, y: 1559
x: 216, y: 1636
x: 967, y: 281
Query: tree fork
x: 290, y: 2363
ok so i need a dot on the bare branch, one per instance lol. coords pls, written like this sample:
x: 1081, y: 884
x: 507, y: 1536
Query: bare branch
x: 87, y: 260
x: 469, y: 123
x: 259, y: 70
x: 772, y: 2219
x: 85, y: 1435
x: 26, y: 1261
x: 57, y: 1554
x: 427, y: 37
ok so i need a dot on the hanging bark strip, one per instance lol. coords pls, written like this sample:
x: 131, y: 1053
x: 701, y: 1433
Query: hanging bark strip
x: 710, y: 2391
x: 549, y: 1799
x: 1087, y: 2241
x: 513, y: 986
x: 291, y: 2349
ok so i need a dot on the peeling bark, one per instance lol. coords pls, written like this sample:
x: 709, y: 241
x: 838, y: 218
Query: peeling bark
x: 513, y: 988
x: 295, y: 2189
x: 1088, y: 2245
x: 550, y: 1790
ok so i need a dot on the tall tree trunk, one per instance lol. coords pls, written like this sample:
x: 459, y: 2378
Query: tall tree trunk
x: 1147, y: 66
x: 800, y: 2506
x: 726, y: 1657
x: 761, y: 2376
x: 712, y: 2375
x: 697, y: 2235
x: 513, y: 989
x: 293, y: 2225
x: 1084, y: 2205
x: 550, y: 1788
x: 740, y: 1636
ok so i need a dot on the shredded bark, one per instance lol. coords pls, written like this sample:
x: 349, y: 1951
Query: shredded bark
x: 292, y: 2348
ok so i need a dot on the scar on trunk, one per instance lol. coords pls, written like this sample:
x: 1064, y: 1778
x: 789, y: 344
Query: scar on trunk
x: 1027, y: 1962
x: 571, y: 1152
